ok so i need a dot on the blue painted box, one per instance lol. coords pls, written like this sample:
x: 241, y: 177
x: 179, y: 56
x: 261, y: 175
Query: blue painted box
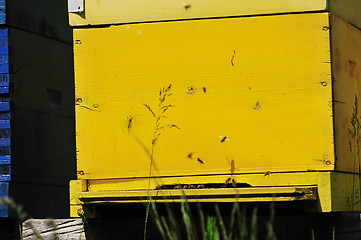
x: 5, y: 115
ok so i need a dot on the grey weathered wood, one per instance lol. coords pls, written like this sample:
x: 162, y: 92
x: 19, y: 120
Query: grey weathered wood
x: 63, y: 229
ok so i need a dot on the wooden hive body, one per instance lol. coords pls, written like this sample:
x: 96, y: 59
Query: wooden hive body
x: 36, y: 111
x: 257, y: 98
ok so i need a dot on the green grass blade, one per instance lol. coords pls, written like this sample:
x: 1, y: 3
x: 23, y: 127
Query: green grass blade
x: 232, y: 220
x: 253, y: 235
x: 221, y: 223
x: 187, y: 220
x: 202, y: 221
x: 157, y: 220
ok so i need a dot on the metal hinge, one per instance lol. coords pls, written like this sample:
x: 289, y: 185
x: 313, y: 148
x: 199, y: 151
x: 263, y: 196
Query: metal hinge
x: 75, y: 5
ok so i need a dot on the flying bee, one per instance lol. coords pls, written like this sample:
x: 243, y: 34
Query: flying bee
x: 223, y: 139
x: 200, y: 161
x: 267, y: 173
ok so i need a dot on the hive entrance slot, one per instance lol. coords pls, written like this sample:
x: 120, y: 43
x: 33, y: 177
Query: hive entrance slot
x: 204, y: 186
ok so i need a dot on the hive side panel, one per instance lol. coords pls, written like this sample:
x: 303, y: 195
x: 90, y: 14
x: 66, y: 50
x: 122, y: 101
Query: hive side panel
x: 248, y: 95
x: 123, y: 11
x: 348, y: 10
x: 43, y: 138
x: 346, y: 65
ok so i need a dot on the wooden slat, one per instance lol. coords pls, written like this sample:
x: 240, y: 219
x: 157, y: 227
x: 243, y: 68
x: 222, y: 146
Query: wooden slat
x: 346, y: 58
x: 125, y: 11
x: 62, y: 229
x: 263, y: 82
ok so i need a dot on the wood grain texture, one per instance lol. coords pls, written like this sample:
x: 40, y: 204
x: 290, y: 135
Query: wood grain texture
x: 335, y: 190
x: 263, y: 83
x: 61, y: 229
x: 346, y: 59
x: 348, y: 10
x: 123, y: 11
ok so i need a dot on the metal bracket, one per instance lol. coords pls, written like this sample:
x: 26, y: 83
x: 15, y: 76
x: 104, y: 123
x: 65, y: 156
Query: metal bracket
x: 75, y: 6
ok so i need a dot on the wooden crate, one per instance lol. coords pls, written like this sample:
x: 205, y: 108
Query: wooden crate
x: 37, y: 137
x: 268, y: 103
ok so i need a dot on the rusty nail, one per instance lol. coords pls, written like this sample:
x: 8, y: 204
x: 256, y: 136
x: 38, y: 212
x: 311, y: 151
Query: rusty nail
x: 95, y: 105
x: 325, y: 28
x: 81, y: 172
x: 328, y: 162
x: 324, y: 84
x: 79, y: 100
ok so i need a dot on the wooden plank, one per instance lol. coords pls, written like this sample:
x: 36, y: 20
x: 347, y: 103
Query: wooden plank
x: 262, y: 82
x: 61, y: 229
x: 125, y: 11
x: 348, y: 10
x: 335, y: 191
x: 346, y: 59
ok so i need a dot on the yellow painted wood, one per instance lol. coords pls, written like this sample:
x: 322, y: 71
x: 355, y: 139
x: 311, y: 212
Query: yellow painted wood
x: 346, y: 58
x: 124, y: 11
x: 348, y: 10
x: 259, y: 194
x: 345, y: 192
x: 334, y: 190
x: 254, y: 180
x: 261, y: 82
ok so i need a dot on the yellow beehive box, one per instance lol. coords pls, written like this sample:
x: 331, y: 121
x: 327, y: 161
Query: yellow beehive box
x: 267, y: 105
x: 105, y: 12
x: 94, y: 12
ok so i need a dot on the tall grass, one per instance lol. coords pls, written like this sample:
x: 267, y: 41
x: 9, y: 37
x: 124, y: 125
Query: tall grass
x: 211, y: 227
